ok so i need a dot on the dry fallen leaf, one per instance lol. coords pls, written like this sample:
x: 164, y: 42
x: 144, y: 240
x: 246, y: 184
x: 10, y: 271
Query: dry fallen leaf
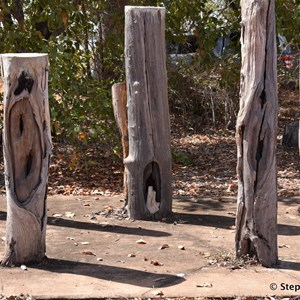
x: 231, y: 213
x: 164, y: 246
x: 141, y: 242
x: 205, y: 285
x: 57, y: 215
x: 108, y: 209
x: 284, y: 246
x: 236, y: 267
x: 156, y: 263
x: 231, y: 187
x: 87, y: 252
x: 121, y: 261
x: 69, y: 214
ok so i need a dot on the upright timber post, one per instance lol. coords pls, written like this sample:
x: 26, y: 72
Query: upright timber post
x: 148, y: 163
x: 26, y: 147
x: 119, y: 100
x: 256, y: 135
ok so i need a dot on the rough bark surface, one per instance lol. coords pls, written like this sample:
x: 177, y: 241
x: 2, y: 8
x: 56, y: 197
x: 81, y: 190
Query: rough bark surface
x: 291, y: 134
x: 256, y: 221
x: 119, y: 99
x: 149, y: 160
x: 26, y: 151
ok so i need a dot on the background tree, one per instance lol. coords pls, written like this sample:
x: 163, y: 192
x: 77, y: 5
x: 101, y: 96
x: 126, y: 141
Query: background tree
x: 85, y: 42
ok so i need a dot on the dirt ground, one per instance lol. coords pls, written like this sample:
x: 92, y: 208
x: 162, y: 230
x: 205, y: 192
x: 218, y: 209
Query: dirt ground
x: 95, y: 252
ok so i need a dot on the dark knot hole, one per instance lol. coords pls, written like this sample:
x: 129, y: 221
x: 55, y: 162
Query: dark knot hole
x: 152, y: 178
x: 21, y: 124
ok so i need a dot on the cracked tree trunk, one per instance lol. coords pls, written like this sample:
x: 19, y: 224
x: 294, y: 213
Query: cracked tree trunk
x: 256, y: 221
x: 148, y: 163
x: 26, y: 151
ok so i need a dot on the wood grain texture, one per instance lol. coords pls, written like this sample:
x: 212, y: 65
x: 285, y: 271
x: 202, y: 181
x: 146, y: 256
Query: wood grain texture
x: 119, y: 100
x: 256, y: 135
x: 149, y: 160
x: 26, y: 151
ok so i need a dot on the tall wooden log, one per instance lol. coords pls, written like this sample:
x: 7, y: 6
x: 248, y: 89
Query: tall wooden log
x: 149, y: 161
x: 26, y: 151
x: 256, y: 221
x: 119, y: 100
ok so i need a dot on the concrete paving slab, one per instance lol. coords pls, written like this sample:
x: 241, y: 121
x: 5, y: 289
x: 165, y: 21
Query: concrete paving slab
x: 198, y: 260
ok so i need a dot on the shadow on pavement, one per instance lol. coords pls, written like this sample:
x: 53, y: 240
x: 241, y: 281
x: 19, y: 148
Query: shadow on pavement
x: 107, y: 228
x: 191, y: 203
x: 288, y: 229
x: 218, y: 221
x: 99, y: 227
x: 202, y: 220
x: 224, y: 222
x: 288, y: 265
x: 289, y: 201
x: 110, y: 273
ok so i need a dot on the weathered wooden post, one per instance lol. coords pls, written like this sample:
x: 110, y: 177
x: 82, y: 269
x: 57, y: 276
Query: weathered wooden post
x: 256, y: 222
x: 291, y: 134
x: 148, y: 163
x: 119, y: 100
x: 26, y: 151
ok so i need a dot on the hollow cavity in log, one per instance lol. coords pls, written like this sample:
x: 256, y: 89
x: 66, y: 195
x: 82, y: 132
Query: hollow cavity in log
x: 152, y: 187
x: 25, y: 144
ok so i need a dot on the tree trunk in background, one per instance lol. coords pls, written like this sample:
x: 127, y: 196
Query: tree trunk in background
x: 291, y: 134
x: 299, y: 128
x: 256, y: 221
x: 119, y: 100
x: 149, y: 161
x: 26, y: 147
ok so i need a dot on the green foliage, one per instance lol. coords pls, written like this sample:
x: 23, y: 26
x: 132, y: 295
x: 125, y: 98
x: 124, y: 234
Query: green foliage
x: 85, y: 43
x: 288, y: 20
x: 80, y: 103
x: 206, y: 88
